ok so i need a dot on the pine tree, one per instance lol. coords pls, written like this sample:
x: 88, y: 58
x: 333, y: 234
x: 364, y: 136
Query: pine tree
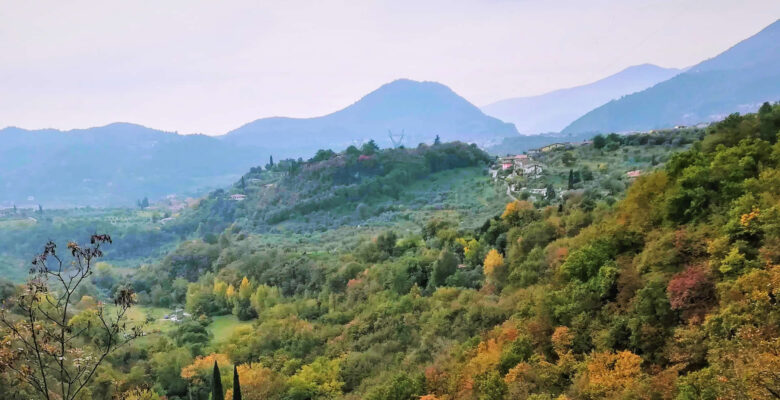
x: 236, y: 384
x: 216, y: 385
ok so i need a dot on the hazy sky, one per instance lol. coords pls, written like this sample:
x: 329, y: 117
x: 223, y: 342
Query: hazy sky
x: 211, y: 66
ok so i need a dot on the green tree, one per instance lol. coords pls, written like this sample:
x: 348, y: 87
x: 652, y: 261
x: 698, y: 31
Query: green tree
x: 599, y: 141
x: 369, y: 148
x: 443, y: 267
x: 236, y: 384
x: 571, y: 179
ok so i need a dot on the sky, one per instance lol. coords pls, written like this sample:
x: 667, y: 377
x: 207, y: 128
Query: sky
x: 194, y: 66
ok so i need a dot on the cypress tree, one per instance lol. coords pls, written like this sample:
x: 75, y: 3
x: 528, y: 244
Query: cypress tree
x: 216, y: 385
x: 236, y: 384
x: 571, y: 179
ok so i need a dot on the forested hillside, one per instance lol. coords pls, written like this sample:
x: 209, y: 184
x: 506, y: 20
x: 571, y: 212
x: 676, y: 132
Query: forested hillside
x: 333, y: 189
x: 669, y: 293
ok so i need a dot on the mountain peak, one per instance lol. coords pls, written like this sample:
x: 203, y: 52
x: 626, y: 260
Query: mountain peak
x: 551, y: 112
x: 421, y: 109
x: 736, y: 80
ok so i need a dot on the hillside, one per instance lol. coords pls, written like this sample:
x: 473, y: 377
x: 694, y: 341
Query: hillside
x: 353, y: 187
x: 421, y: 110
x: 737, y: 80
x: 112, y: 165
x: 667, y: 293
x: 553, y: 111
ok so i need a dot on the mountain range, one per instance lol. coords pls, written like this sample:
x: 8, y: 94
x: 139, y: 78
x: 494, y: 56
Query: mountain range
x: 115, y: 164
x: 118, y: 164
x: 419, y: 110
x: 553, y: 111
x: 737, y: 80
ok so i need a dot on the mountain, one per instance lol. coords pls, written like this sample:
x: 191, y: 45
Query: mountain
x: 737, y: 80
x: 113, y: 165
x: 421, y: 110
x: 551, y: 112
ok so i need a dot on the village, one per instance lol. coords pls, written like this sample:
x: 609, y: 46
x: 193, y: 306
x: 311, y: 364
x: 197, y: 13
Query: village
x: 550, y: 173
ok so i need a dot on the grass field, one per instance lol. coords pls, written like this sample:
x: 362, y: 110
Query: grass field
x: 222, y: 326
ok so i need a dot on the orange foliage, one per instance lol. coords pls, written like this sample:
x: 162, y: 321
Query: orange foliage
x: 515, y: 207
x: 745, y: 219
x: 562, y: 339
x: 203, y: 365
x: 612, y: 373
x: 257, y: 382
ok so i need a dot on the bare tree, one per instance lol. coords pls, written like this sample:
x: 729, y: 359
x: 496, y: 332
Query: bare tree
x: 48, y: 344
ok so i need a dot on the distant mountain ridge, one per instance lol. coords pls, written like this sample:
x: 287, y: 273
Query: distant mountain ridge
x: 738, y: 80
x: 553, y: 111
x: 119, y: 163
x: 421, y: 110
x: 113, y: 165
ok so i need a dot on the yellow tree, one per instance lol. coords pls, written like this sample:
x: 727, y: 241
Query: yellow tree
x: 609, y: 374
x: 220, y: 288
x: 230, y: 292
x: 494, y: 268
x: 245, y: 289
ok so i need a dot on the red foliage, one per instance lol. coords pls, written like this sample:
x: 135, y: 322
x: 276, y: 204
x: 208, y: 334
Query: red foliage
x: 691, y: 291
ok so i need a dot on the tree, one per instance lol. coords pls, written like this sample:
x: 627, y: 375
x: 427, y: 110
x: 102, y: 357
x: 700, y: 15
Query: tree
x: 236, y: 384
x: 322, y: 155
x: 443, y: 267
x: 369, y: 148
x: 571, y: 179
x: 52, y: 349
x: 437, y: 141
x: 145, y: 202
x: 550, y: 192
x: 608, y: 375
x: 494, y: 267
x: 216, y: 384
x: 599, y: 141
x: 691, y: 292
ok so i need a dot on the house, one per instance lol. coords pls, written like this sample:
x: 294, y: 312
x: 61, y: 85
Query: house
x: 634, y: 174
x: 238, y: 197
x: 506, y: 165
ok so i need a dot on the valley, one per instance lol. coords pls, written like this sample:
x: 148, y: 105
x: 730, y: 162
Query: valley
x: 336, y: 224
